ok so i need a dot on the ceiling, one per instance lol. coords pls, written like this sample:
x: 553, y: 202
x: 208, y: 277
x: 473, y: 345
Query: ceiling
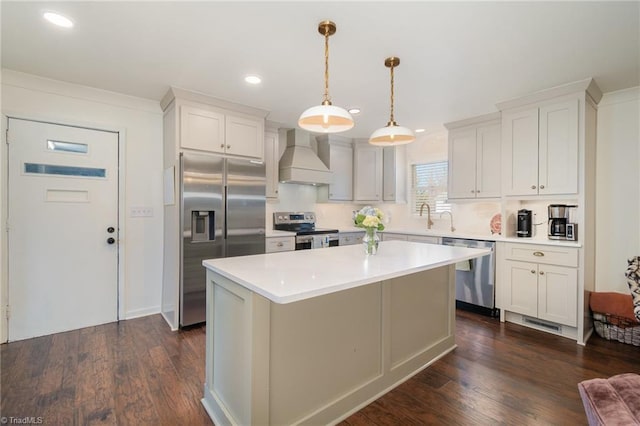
x: 457, y: 59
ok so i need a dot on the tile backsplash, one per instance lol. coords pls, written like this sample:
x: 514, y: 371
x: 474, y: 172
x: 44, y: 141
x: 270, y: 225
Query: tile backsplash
x: 470, y: 218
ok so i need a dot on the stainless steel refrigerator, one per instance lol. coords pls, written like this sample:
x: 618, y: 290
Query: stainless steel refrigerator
x: 222, y: 215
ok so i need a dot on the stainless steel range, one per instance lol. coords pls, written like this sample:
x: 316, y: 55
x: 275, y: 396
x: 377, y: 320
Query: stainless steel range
x: 304, y: 225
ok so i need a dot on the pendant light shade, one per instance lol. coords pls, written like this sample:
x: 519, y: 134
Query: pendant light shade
x: 392, y: 134
x: 326, y: 118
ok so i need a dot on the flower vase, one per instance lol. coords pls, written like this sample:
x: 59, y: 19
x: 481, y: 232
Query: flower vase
x: 370, y: 241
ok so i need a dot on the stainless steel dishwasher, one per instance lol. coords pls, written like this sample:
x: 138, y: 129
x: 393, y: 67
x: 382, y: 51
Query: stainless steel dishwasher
x: 475, y: 278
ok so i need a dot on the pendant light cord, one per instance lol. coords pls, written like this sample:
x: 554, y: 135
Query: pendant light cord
x: 391, y: 120
x: 326, y: 99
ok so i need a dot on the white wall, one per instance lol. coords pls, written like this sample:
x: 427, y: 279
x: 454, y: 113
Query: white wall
x: 617, y: 187
x: 29, y: 96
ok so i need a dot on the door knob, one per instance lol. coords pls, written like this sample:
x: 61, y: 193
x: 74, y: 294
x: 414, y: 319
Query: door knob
x: 111, y: 240
x: 111, y: 229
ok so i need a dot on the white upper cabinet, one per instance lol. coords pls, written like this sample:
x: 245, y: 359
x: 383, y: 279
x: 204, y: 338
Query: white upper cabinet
x: 336, y: 152
x: 244, y: 137
x: 271, y: 161
x: 540, y: 149
x: 202, y: 129
x: 488, y: 160
x: 394, y: 166
x: 462, y: 163
x: 367, y: 172
x: 193, y: 121
x: 558, y: 148
x: 206, y: 130
x: 474, y: 158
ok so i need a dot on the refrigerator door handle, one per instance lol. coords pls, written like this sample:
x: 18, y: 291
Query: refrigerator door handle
x: 226, y: 211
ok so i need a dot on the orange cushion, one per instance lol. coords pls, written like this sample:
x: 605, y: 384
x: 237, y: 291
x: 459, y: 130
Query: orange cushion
x: 613, y: 303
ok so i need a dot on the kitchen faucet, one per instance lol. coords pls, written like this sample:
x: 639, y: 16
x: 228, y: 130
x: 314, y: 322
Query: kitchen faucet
x: 429, y: 221
x: 451, y: 216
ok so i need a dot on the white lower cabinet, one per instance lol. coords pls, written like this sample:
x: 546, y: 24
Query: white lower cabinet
x: 541, y: 282
x: 276, y: 244
x: 350, y: 238
x: 389, y: 236
x: 423, y: 239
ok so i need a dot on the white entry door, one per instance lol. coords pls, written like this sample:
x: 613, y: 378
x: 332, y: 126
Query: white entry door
x: 63, y: 228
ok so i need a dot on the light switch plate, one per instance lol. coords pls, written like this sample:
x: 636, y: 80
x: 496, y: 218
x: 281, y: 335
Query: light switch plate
x: 141, y: 212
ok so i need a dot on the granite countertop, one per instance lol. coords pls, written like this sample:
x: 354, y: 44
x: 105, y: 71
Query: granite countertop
x: 287, y: 277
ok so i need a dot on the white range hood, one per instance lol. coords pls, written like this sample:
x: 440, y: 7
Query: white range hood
x: 300, y: 164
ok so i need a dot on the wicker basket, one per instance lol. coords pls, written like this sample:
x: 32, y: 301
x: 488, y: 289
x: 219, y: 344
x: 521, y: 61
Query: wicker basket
x: 613, y: 327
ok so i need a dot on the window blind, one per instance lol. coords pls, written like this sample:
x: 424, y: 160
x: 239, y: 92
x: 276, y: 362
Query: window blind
x: 429, y: 185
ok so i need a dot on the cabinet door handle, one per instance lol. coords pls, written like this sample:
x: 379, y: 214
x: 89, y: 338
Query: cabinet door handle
x: 533, y: 187
x: 221, y: 145
x: 541, y: 186
x: 280, y: 244
x: 541, y: 272
x: 472, y: 191
x: 538, y: 253
x: 533, y: 272
x: 228, y: 146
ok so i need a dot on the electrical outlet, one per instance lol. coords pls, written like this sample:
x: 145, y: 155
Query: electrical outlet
x: 141, y: 212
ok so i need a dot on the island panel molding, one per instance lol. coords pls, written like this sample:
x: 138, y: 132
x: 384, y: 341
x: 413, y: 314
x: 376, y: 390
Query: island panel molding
x: 275, y: 364
x: 320, y: 358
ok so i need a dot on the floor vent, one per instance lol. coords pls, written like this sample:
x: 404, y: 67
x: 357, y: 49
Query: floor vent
x: 544, y: 324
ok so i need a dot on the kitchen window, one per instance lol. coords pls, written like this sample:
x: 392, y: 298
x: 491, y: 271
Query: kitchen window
x: 429, y: 185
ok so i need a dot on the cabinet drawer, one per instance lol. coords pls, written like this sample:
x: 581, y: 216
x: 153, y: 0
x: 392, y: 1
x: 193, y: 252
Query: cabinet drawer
x: 351, y: 238
x: 275, y: 244
x: 423, y: 239
x: 552, y: 255
x: 389, y: 236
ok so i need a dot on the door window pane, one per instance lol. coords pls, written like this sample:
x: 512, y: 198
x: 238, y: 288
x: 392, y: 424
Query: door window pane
x: 51, y: 169
x: 78, y: 148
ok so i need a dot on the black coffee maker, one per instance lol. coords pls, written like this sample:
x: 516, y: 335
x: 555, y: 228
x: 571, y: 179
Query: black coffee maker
x: 525, y: 223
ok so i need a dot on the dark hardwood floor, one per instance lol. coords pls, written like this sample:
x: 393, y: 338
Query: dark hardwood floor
x: 138, y: 372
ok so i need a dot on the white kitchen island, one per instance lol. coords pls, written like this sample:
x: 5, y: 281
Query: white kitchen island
x: 312, y: 336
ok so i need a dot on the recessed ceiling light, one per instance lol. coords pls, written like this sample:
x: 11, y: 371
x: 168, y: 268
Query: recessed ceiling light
x: 57, y: 19
x: 253, y: 79
x: 419, y: 130
x: 354, y: 111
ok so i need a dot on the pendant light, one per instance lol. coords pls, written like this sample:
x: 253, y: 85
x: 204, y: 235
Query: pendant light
x: 392, y: 134
x: 326, y: 118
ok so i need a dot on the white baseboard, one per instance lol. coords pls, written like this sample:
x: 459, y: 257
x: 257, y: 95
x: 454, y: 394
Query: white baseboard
x: 137, y: 313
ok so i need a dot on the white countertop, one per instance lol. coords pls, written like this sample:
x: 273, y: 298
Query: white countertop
x: 287, y: 277
x: 483, y: 237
